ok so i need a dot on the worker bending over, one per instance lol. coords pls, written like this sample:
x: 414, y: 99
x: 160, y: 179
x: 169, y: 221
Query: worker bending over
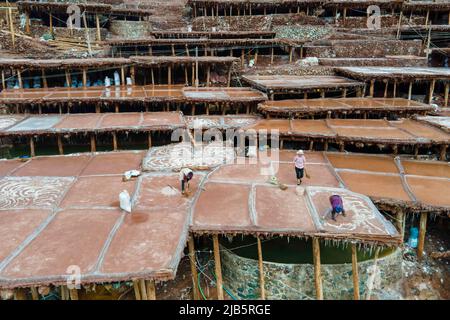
x: 186, y: 175
x: 337, y: 206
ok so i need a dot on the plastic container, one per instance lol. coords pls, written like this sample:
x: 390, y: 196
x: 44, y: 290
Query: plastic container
x: 413, y: 237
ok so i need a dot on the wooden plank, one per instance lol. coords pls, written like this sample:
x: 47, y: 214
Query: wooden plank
x: 151, y: 290
x: 137, y: 291
x: 143, y: 288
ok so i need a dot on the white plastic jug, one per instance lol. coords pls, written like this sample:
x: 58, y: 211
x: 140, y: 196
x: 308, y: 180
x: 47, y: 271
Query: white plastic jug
x: 125, y: 201
x: 107, y: 82
x: 116, y: 79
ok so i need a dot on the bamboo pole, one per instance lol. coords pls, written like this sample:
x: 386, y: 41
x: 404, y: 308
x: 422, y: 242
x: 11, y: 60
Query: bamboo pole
x: 317, y: 272
x: 422, y: 231
x: 60, y: 145
x: 218, y: 267
x: 399, y: 24
x: 355, y: 275
x: 427, y: 17
x: 261, y: 270
x: 195, y: 290
x: 151, y: 290
x: 32, y: 150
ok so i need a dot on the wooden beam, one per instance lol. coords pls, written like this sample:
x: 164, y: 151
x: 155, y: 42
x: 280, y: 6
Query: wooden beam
x: 169, y: 74
x: 261, y: 270
x: 355, y: 275
x: 19, y: 294
x: 395, y: 89
x: 271, y: 55
x: 372, y: 88
x: 218, y: 267
x: 422, y: 231
x: 3, y: 80
x: 208, y: 76
x: 68, y: 80
x: 443, y: 153
x: 19, y: 77
x: 192, y: 259
x: 149, y: 139
x: 50, y: 18
x: 317, y: 272
x: 410, y: 90
x: 291, y: 54
x: 143, y: 288
x: 229, y: 76
x: 400, y: 223
x: 27, y: 22
x: 44, y: 78
x: 133, y: 75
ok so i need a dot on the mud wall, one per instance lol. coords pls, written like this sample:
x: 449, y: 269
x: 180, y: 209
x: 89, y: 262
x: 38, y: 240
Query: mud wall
x: 296, y: 281
x: 386, y: 21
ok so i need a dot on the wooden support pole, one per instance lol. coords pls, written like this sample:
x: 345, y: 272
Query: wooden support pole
x: 137, y: 291
x: 50, y: 18
x: 317, y: 272
x: 427, y: 18
x: 84, y: 77
x: 3, y: 80
x: 93, y: 146
x: 355, y: 275
x: 133, y: 75
x: 229, y: 76
x: 291, y: 54
x: 261, y: 270
x: 344, y: 93
x: 322, y: 94
x: 208, y: 76
x: 399, y: 24
x: 242, y: 57
x: 143, y: 289
x: 27, y: 22
x: 187, y: 50
x: 173, y: 50
x: 192, y: 259
x: 395, y: 89
x: 68, y: 78
x: 114, y: 136
x: 97, y: 23
x: 151, y: 290
x: 430, y: 95
x: 152, y: 73
x: 325, y: 146
x: 64, y: 293
x: 149, y: 139
x: 19, y: 294
x: 446, y: 91
x: 60, y: 145
x: 32, y: 150
x: 19, y: 77
x: 186, y: 76
x: 116, y: 107
x: 443, y: 153
x: 122, y: 75
x: 73, y: 294
x: 422, y: 231
x: 400, y: 223
x: 11, y: 27
x: 410, y: 90
x: 416, y: 151
x: 218, y: 267
x: 169, y: 74
x: 372, y: 88
x: 34, y: 293
x: 44, y: 78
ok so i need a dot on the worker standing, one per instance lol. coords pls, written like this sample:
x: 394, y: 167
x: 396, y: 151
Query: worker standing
x: 337, y: 206
x: 186, y: 175
x: 299, y: 163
